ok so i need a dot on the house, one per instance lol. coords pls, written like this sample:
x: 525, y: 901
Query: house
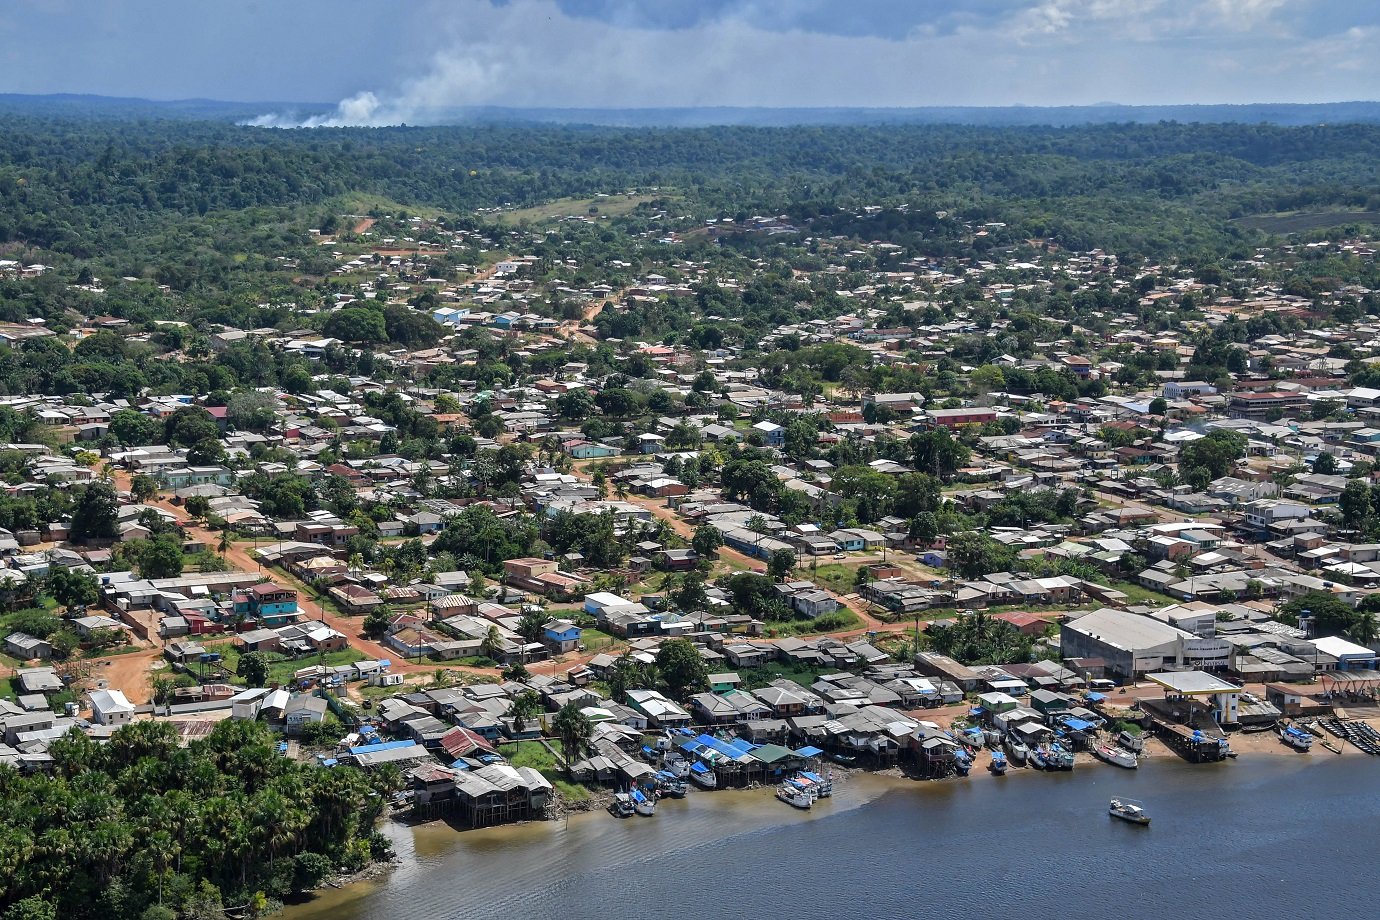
x: 267, y: 604
x: 110, y: 707
x: 26, y: 647
x: 561, y: 636
x: 303, y: 710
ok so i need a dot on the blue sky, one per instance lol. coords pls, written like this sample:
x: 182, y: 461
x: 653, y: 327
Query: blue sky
x: 398, y: 60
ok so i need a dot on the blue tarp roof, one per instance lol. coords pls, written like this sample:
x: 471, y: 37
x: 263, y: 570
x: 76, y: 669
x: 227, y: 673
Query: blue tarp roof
x: 381, y: 746
x: 1093, y: 696
x: 1077, y: 725
x: 809, y: 752
x: 698, y: 767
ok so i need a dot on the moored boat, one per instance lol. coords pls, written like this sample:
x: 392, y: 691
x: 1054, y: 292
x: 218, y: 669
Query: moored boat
x: 643, y: 804
x: 1296, y: 738
x: 1060, y: 758
x: 1115, y: 755
x: 795, y: 795
x: 677, y: 765
x: 1131, y: 742
x: 621, y: 806
x: 998, y: 763
x: 1017, y: 750
x: 1128, y: 810
x: 670, y: 785
x: 703, y: 777
x: 823, y: 785
x: 963, y: 761
x: 1039, y: 758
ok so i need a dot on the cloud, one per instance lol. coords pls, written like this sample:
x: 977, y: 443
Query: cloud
x: 619, y: 54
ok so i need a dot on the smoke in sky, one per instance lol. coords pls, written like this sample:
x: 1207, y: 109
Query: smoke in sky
x: 596, y: 54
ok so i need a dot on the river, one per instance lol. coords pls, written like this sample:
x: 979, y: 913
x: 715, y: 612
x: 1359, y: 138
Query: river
x: 1257, y: 838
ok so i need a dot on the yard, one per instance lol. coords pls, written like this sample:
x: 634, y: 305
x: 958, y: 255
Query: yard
x: 754, y: 678
x: 838, y: 621
x: 281, y: 668
x: 533, y: 754
x: 608, y: 206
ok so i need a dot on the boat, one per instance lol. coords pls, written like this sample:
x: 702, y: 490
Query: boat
x: 622, y: 805
x: 844, y: 760
x: 1129, y: 810
x: 1060, y: 759
x: 1133, y: 743
x: 1039, y: 758
x: 670, y: 785
x: 703, y: 777
x: 1296, y: 738
x: 992, y: 737
x: 1016, y: 750
x: 795, y: 795
x: 998, y: 763
x: 676, y: 765
x: 651, y: 755
x: 823, y: 785
x: 963, y: 761
x: 643, y: 804
x: 1115, y: 755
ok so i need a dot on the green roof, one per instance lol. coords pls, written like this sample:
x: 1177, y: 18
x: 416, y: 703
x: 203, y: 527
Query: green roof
x: 772, y: 753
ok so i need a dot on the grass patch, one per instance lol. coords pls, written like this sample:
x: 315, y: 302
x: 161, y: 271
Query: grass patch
x: 754, y: 678
x: 533, y: 754
x: 836, y: 576
x: 610, y: 206
x: 1137, y: 594
x: 838, y: 621
x: 281, y: 668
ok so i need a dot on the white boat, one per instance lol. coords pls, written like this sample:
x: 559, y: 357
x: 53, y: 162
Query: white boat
x: 1017, y: 750
x: 643, y: 804
x: 1296, y: 738
x: 794, y: 795
x: 678, y: 765
x: 1131, y: 742
x: 1115, y: 755
x: 703, y: 777
x: 1129, y: 810
x: 822, y: 786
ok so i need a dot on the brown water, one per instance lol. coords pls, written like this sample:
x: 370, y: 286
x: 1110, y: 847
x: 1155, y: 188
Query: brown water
x: 1254, y: 839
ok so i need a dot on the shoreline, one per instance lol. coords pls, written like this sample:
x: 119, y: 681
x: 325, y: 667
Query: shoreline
x: 855, y: 788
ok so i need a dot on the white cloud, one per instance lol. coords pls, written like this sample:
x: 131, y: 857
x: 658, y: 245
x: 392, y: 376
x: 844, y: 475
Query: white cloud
x: 529, y: 53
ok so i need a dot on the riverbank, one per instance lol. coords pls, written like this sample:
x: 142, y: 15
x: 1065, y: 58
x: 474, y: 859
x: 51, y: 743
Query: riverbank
x: 703, y: 817
x: 906, y: 847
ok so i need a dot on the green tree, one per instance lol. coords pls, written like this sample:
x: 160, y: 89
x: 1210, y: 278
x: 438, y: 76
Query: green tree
x: 71, y: 588
x: 531, y: 625
x: 780, y: 564
x: 97, y: 514
x: 706, y: 541
x: 1158, y: 406
x: 492, y: 645
x: 681, y: 667
x: 575, y: 730
x: 1216, y: 453
x: 1354, y: 504
x: 143, y: 487
x: 253, y: 667
x: 936, y: 452
x: 161, y: 557
x: 134, y: 429
x: 973, y: 555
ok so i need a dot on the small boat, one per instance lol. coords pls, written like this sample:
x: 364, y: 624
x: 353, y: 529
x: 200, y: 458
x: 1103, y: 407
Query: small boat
x: 992, y: 737
x: 1016, y: 750
x: 963, y: 761
x: 643, y: 804
x: 677, y: 766
x: 1133, y: 743
x: 794, y: 795
x: 670, y: 785
x: 651, y: 755
x: 1296, y: 738
x: 1060, y: 759
x: 844, y: 760
x: 998, y: 763
x: 823, y: 785
x: 1115, y: 755
x: 703, y: 777
x: 1129, y: 810
x: 1039, y: 758
x: 622, y: 805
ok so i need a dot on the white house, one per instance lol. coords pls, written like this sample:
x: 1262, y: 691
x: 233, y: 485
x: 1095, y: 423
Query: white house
x: 110, y: 707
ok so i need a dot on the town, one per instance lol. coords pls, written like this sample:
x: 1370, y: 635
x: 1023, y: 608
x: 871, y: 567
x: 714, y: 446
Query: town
x: 554, y: 552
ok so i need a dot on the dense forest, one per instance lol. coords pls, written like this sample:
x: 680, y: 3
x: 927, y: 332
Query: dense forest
x: 144, y: 828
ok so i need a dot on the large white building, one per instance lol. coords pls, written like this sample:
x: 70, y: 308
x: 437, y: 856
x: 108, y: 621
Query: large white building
x: 1133, y: 645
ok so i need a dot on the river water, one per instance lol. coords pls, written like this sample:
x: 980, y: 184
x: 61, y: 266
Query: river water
x: 1265, y: 837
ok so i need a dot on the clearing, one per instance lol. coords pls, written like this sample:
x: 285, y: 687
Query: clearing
x: 608, y: 206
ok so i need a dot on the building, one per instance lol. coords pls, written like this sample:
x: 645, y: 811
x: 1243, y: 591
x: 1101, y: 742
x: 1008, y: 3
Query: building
x: 1349, y: 655
x: 561, y: 636
x: 1260, y: 407
x: 953, y: 418
x: 1132, y: 645
x: 110, y: 707
x: 267, y: 604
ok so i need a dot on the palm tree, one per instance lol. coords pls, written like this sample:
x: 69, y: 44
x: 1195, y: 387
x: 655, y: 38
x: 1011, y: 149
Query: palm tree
x: 224, y: 543
x: 1365, y: 628
x: 574, y: 730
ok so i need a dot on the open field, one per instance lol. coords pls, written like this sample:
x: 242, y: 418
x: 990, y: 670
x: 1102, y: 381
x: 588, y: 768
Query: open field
x: 1302, y: 221
x: 610, y: 206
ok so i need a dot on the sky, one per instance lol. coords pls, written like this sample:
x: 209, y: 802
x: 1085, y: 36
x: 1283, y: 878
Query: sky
x: 403, y: 60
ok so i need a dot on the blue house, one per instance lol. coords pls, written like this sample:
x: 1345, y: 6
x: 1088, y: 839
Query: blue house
x: 561, y: 636
x: 267, y: 603
x: 586, y: 450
